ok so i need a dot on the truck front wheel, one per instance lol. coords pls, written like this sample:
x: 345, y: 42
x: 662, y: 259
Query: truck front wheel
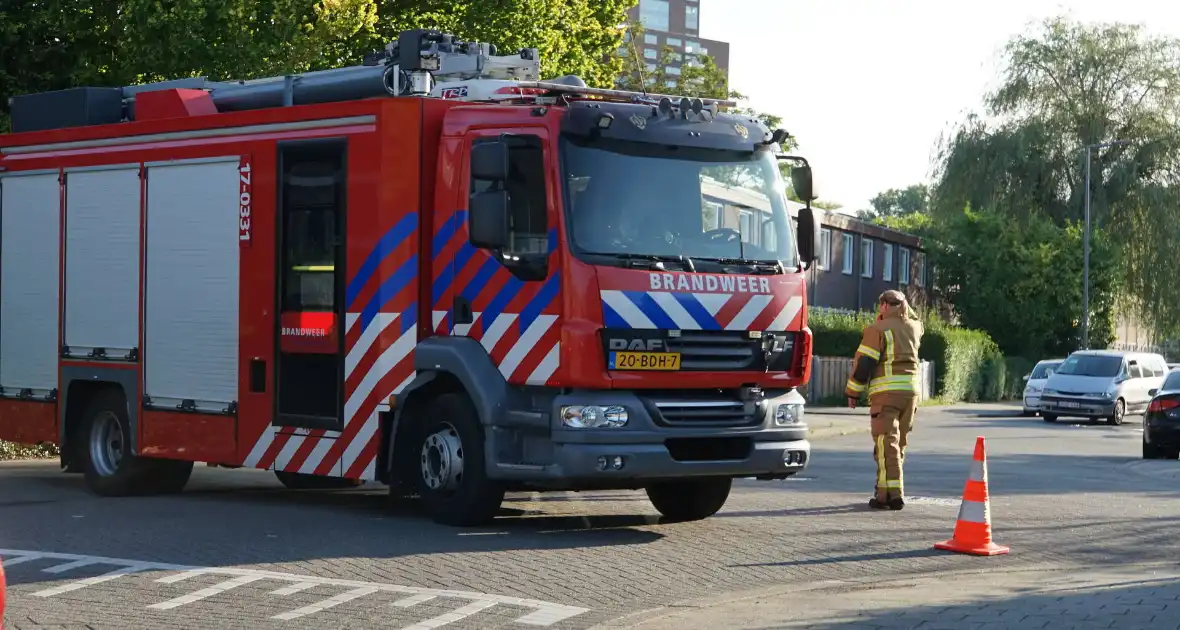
x: 690, y: 500
x: 451, y: 478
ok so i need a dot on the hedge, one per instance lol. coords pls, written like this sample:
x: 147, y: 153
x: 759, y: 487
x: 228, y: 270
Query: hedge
x: 968, y: 365
x: 10, y: 451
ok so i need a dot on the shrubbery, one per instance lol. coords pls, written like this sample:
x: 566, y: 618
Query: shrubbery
x: 9, y: 450
x: 968, y: 365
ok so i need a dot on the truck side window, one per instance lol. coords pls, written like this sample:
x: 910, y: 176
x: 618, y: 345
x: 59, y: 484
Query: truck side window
x: 528, y: 217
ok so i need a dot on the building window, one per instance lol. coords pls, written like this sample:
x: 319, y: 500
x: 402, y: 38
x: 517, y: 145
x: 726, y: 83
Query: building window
x: 887, y: 262
x: 848, y: 251
x: 650, y: 53
x: 673, y: 41
x: 746, y: 225
x: 691, y: 17
x: 922, y: 279
x: 672, y: 70
x: 676, y: 57
x: 653, y: 14
x: 692, y: 47
x: 670, y: 83
x: 903, y: 273
x: 650, y: 39
x: 711, y: 212
x: 825, y: 248
x: 651, y: 67
x: 866, y: 258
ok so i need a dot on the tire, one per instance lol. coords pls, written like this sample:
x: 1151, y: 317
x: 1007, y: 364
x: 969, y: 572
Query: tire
x: 303, y: 481
x: 451, y: 477
x: 1048, y: 417
x: 1151, y: 451
x: 109, y: 469
x: 691, y: 500
x: 1119, y: 413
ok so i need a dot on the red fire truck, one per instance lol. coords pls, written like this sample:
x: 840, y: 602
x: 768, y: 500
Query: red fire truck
x: 433, y: 270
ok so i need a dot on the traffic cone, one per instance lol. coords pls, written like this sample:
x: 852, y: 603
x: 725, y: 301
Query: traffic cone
x: 973, y: 528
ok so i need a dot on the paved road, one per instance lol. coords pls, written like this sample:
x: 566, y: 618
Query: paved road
x: 235, y: 550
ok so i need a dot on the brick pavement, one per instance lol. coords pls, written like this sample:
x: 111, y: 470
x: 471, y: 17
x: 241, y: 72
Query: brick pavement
x: 1129, y: 597
x: 1062, y: 498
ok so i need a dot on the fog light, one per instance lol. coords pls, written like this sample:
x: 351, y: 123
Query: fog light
x: 613, y: 462
x: 616, y: 462
x: 601, y: 462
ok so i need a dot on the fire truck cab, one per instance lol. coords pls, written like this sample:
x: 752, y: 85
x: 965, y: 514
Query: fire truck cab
x: 432, y: 270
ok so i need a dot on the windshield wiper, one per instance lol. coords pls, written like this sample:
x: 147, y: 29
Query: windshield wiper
x: 760, y: 266
x: 656, y: 258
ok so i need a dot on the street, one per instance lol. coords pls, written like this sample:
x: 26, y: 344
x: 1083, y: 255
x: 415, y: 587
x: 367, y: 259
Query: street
x: 1091, y: 527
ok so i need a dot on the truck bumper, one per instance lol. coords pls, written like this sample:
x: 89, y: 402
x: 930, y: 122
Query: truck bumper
x: 602, y: 462
x: 656, y: 444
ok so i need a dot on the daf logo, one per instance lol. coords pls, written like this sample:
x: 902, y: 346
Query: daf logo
x: 639, y: 121
x: 641, y: 345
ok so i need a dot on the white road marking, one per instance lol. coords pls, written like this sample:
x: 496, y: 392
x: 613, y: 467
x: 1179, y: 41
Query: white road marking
x: 347, y: 596
x: 933, y: 501
x: 458, y: 614
x: 216, y: 589
x: 295, y: 588
x: 413, y: 600
x: 543, y: 613
x: 80, y: 584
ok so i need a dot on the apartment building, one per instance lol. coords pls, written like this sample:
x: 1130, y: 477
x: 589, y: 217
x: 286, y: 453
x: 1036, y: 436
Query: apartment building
x: 674, y: 24
x: 858, y: 261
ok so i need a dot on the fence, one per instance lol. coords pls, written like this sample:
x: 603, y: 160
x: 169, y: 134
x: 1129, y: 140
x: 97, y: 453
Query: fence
x: 829, y: 375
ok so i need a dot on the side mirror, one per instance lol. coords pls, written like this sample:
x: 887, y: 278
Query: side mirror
x: 1027, y: 376
x: 487, y: 220
x: 1152, y: 392
x: 801, y: 182
x: 809, y: 244
x: 489, y: 161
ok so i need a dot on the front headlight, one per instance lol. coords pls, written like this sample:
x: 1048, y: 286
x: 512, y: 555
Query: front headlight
x: 1032, y: 389
x: 786, y: 415
x: 593, y: 417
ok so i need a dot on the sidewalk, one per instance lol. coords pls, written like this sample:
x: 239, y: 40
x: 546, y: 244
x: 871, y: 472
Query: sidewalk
x: 1123, y: 596
x: 826, y: 422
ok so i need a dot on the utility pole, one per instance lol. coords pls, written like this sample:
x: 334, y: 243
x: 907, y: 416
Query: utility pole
x: 1086, y: 244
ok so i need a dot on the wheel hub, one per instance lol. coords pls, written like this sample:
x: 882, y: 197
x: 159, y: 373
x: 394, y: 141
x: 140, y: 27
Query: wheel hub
x: 442, y: 460
x: 106, y: 444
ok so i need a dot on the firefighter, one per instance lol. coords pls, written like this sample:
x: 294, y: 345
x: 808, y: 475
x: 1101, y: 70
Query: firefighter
x: 886, y: 366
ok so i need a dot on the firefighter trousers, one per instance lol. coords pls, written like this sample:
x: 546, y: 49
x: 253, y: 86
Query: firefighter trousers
x: 892, y: 419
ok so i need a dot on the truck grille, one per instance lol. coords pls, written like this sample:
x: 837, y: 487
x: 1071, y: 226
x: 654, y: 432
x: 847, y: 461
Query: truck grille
x: 714, y: 350
x: 711, y: 408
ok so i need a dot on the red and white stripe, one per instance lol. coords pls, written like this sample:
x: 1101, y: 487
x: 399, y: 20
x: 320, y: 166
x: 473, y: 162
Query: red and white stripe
x: 377, y: 366
x: 530, y: 358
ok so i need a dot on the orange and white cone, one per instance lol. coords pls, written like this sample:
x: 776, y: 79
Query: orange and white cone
x: 973, y: 528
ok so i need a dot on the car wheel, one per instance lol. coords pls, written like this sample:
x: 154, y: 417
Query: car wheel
x: 1048, y: 417
x: 452, y: 480
x: 691, y: 500
x: 1151, y: 451
x: 1120, y: 411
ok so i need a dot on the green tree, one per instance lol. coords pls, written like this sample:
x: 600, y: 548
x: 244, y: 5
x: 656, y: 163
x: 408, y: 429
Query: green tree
x: 1067, y: 85
x: 898, y: 202
x: 1005, y: 277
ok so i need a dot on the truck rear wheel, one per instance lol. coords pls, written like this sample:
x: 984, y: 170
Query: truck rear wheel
x: 450, y: 476
x: 690, y: 500
x: 108, y: 464
x: 303, y: 481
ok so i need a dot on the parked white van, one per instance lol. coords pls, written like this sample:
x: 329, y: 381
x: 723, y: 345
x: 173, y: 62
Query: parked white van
x: 1102, y: 384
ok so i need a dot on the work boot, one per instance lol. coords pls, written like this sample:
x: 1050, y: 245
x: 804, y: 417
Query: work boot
x: 877, y: 504
x: 896, y: 503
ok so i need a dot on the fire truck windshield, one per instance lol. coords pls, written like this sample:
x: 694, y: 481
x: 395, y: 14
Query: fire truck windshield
x: 640, y: 200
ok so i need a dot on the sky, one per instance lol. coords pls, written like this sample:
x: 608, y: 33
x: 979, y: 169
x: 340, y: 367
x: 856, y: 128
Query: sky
x: 869, y: 86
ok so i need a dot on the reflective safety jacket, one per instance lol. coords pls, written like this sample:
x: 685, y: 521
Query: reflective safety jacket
x: 887, y: 359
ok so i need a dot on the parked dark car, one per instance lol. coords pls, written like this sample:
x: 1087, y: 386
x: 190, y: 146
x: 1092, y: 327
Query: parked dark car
x: 1161, y: 423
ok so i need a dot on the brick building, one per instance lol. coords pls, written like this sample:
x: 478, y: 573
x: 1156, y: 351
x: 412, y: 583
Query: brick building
x: 675, y: 24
